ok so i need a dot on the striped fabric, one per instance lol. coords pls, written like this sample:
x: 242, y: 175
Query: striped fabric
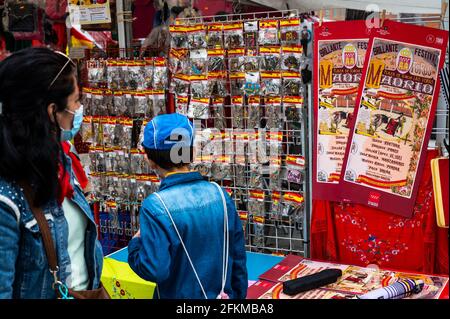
x: 445, y: 82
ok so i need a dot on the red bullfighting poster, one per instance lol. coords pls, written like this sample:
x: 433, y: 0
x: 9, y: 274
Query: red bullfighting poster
x: 396, y: 109
x: 339, y: 55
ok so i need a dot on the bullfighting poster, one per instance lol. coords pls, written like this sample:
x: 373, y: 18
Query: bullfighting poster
x: 339, y: 55
x: 396, y: 109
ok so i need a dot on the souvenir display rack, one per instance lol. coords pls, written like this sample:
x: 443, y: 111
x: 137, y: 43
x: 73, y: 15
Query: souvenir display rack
x: 120, y: 96
x: 239, y: 78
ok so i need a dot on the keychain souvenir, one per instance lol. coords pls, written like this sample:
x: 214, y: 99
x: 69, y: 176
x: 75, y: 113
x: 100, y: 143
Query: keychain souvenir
x: 119, y: 103
x: 274, y: 113
x: 199, y: 108
x: 159, y: 74
x: 251, y: 61
x: 256, y: 177
x: 182, y: 103
x: 199, y: 87
x: 199, y: 62
x: 254, y: 116
x: 290, y: 31
x: 250, y: 33
x: 236, y: 60
x: 216, y: 62
x: 87, y: 135
x: 268, y: 32
x: 270, y: 58
x: 218, y: 113
x: 292, y: 106
x: 252, y: 85
x: 292, y: 58
x: 180, y: 84
x: 214, y: 37
x: 196, y: 36
x: 178, y: 36
x: 237, y: 111
x: 159, y: 103
x: 233, y: 35
x: 292, y: 85
x: 271, y: 83
x: 113, y: 75
x: 140, y: 105
x: 148, y: 73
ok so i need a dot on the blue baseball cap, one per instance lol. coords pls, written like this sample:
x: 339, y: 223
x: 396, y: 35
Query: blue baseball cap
x: 167, y: 130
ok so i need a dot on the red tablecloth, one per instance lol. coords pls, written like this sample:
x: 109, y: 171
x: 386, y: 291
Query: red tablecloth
x: 361, y: 235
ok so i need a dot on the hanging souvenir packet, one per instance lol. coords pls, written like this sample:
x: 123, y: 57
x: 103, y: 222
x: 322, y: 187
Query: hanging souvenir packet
x: 87, y: 135
x: 261, y: 137
x: 251, y: 60
x: 237, y: 111
x: 97, y: 130
x: 199, y: 62
x: 275, y: 140
x: 293, y: 204
x: 159, y: 73
x: 256, y: 205
x: 236, y: 60
x: 218, y: 113
x: 254, y: 114
x: 290, y: 31
x: 270, y: 58
x: 258, y: 238
x: 240, y: 140
x: 237, y: 83
x: 96, y: 69
x: 119, y: 107
x: 113, y: 74
x: 199, y: 108
x: 199, y: 86
x: 149, y: 71
x: 196, y: 36
x: 250, y: 33
x: 233, y: 35
x: 293, y: 106
x: 243, y: 216
x: 292, y: 84
x: 150, y: 103
x: 179, y: 61
x: 108, y: 124
x: 180, y: 84
x: 291, y: 58
x: 127, y: 124
x: 216, y: 61
x: 129, y: 103
x: 86, y: 100
x: 182, y: 103
x: 178, y: 36
x: 159, y: 102
x: 214, y: 36
x: 110, y: 155
x: 216, y: 85
x: 271, y: 83
x: 295, y: 167
x: 97, y: 106
x: 268, y: 32
x: 108, y: 102
x: 252, y: 84
x: 140, y: 105
x: 274, y: 113
x: 252, y: 146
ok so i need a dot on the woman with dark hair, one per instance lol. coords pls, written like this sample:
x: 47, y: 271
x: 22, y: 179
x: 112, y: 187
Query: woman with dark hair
x: 39, y: 109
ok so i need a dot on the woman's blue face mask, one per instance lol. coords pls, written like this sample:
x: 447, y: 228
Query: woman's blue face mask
x: 67, y: 135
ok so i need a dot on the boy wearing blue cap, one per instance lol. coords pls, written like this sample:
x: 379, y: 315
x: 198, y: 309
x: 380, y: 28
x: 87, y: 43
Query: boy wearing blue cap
x: 191, y: 241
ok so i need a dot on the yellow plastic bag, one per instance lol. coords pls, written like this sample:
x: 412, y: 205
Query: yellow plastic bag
x: 122, y: 283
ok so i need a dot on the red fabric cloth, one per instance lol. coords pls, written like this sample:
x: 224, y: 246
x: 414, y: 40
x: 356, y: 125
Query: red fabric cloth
x: 64, y: 181
x: 360, y: 235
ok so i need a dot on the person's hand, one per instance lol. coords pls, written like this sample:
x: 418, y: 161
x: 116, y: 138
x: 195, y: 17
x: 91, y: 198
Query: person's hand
x: 138, y: 234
